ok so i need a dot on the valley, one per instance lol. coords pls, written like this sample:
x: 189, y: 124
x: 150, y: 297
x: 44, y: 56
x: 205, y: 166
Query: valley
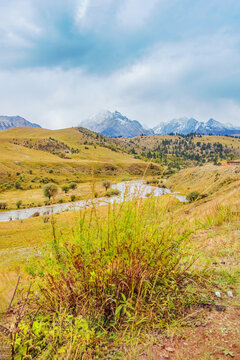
x: 32, y: 157
x: 120, y: 247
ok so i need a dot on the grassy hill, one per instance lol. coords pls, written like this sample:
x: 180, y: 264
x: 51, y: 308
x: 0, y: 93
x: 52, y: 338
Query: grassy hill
x: 32, y: 157
x: 208, y: 179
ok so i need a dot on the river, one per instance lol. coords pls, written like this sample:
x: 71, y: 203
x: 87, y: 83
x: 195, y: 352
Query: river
x: 128, y: 191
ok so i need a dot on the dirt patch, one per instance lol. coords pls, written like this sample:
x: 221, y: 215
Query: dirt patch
x: 214, y: 337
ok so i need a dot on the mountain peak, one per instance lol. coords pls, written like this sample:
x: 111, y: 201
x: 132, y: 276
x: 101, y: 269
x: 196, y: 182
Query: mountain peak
x: 8, y: 122
x: 182, y: 125
x: 114, y: 124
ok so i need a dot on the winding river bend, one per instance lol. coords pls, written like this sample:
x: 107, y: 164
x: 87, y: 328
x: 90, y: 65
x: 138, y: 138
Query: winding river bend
x: 128, y: 191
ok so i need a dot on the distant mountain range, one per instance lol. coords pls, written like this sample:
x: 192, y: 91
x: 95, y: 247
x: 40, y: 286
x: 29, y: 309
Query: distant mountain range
x: 115, y: 124
x: 186, y: 126
x: 8, y: 122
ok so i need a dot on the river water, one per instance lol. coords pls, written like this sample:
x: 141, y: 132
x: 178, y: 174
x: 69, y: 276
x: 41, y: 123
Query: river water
x: 128, y: 191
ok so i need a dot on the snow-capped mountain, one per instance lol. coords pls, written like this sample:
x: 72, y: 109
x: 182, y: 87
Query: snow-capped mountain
x: 181, y: 126
x: 186, y: 126
x: 114, y: 124
x: 7, y: 122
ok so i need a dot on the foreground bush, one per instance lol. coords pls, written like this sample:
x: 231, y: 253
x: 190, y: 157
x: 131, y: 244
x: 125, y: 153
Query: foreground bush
x: 129, y: 271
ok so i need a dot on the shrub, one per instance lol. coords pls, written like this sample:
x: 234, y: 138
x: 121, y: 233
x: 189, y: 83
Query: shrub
x: 50, y: 190
x: 17, y: 185
x: 65, y: 188
x: 73, y: 185
x: 192, y: 196
x: 161, y: 185
x: 44, y: 180
x: 112, y: 192
x: 18, y: 204
x: 121, y: 273
x: 60, y: 201
x: 73, y: 197
x: 153, y: 181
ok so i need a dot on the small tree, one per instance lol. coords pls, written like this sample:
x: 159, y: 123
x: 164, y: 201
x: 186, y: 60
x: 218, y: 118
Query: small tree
x: 19, y: 203
x: 106, y: 184
x: 65, y: 188
x: 3, y: 205
x: 50, y: 190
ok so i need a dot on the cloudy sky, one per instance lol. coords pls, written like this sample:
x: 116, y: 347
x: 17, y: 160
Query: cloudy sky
x: 64, y: 60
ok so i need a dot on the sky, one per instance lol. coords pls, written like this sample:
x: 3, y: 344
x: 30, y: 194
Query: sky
x: 63, y: 61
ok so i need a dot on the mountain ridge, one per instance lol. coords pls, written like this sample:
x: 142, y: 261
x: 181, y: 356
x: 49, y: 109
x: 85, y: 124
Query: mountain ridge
x: 8, y: 122
x: 114, y: 124
x: 185, y: 126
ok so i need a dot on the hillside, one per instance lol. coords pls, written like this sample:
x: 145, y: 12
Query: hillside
x: 32, y: 157
x: 179, y: 151
x: 208, y: 179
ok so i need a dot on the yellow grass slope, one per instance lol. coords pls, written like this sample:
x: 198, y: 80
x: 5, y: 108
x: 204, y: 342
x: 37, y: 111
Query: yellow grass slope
x: 90, y: 154
x: 218, y: 186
